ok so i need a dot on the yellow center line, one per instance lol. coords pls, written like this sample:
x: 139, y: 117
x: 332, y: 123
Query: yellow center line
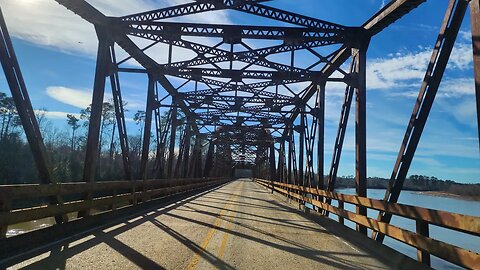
x: 223, y: 245
x: 218, y: 220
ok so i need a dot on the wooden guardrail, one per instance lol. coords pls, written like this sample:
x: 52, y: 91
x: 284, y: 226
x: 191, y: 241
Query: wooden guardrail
x: 422, y: 216
x: 108, y: 196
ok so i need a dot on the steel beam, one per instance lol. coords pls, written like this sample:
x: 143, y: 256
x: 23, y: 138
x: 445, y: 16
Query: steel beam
x: 25, y: 111
x: 320, y: 118
x: 340, y: 137
x: 361, y: 129
x: 186, y: 9
x: 475, y: 26
x: 381, y: 20
x: 186, y: 151
x: 120, y: 118
x: 436, y: 68
x: 273, y: 170
x: 292, y: 35
x: 209, y: 159
x: 173, y: 133
x: 93, y: 147
x: 147, y: 127
x: 301, y: 150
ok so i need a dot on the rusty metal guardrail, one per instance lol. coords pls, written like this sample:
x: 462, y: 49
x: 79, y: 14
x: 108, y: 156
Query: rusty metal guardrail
x: 422, y: 216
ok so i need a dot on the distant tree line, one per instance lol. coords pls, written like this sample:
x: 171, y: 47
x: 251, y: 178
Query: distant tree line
x: 66, y: 150
x: 417, y: 183
x: 66, y: 147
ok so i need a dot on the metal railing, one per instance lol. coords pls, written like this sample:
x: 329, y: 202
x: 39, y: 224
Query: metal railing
x: 28, y: 202
x: 422, y: 216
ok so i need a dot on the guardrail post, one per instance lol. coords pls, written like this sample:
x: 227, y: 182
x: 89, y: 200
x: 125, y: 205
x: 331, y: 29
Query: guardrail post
x: 4, y: 207
x: 340, y: 218
x: 422, y: 229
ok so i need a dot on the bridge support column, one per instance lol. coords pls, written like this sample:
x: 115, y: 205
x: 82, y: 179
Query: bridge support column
x: 27, y: 116
x: 281, y: 162
x: 147, y: 127
x: 192, y: 170
x: 321, y: 134
x: 301, y: 151
x: 290, y: 150
x: 186, y: 151
x: 171, y: 151
x: 475, y: 26
x: 93, y: 147
x: 209, y: 159
x: 361, y: 128
x: 273, y: 172
x: 433, y: 76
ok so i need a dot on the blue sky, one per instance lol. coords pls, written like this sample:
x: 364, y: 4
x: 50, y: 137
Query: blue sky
x: 56, y: 50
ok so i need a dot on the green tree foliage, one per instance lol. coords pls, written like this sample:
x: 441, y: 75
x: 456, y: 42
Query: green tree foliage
x: 72, y: 121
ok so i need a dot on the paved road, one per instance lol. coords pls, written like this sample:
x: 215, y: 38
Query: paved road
x: 238, y: 226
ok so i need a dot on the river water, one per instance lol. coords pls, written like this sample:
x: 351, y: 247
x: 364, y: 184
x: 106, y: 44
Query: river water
x: 448, y: 204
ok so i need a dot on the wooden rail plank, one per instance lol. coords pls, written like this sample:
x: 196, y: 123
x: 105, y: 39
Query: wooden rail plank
x: 454, y: 221
x: 451, y: 253
x: 43, y: 190
x: 45, y: 211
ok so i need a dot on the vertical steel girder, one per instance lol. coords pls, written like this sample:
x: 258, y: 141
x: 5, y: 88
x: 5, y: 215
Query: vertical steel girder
x: 321, y: 134
x: 193, y: 170
x: 290, y: 154
x: 161, y: 135
x: 273, y: 170
x: 25, y: 111
x: 281, y: 162
x: 475, y: 26
x: 101, y: 72
x: 443, y: 48
x: 173, y: 132
x: 120, y: 118
x: 186, y: 151
x: 209, y: 159
x: 147, y: 127
x: 361, y: 129
x: 301, y: 153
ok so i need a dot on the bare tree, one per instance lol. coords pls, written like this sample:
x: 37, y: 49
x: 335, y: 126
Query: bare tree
x: 72, y: 121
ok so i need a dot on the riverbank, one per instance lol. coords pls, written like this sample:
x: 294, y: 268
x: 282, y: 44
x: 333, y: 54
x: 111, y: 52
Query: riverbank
x: 449, y: 195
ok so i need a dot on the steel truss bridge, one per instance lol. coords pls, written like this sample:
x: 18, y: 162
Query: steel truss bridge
x: 247, y: 104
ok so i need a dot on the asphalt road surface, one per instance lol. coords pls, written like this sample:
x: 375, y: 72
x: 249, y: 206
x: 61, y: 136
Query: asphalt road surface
x: 240, y: 225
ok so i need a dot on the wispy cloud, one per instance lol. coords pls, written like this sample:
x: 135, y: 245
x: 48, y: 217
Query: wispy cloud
x: 47, y: 23
x: 56, y: 114
x: 401, y: 70
x: 74, y: 97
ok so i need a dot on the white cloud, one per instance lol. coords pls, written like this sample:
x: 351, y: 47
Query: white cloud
x: 74, y: 97
x: 466, y: 110
x: 465, y: 35
x: 408, y: 69
x: 449, y: 88
x: 56, y: 114
x: 47, y: 23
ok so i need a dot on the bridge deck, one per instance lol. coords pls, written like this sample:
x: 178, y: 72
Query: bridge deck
x: 238, y: 226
